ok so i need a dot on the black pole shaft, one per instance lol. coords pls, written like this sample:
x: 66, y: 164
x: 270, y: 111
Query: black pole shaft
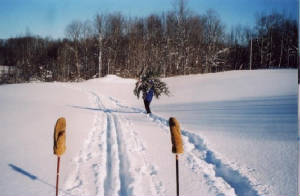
x: 57, y: 174
x: 177, y: 175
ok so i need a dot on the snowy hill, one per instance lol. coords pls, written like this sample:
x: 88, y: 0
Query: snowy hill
x: 239, y: 130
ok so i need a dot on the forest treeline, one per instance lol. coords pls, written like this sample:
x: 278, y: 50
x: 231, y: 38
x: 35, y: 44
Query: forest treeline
x: 174, y: 43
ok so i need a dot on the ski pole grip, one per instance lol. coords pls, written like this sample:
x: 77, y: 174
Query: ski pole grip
x: 60, y: 137
x: 177, y: 146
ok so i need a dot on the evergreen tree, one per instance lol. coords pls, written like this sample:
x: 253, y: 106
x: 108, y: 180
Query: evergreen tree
x: 147, y: 80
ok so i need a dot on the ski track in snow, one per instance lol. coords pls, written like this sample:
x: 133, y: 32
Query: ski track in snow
x: 221, y: 177
x: 103, y: 165
x: 91, y: 160
x: 105, y: 154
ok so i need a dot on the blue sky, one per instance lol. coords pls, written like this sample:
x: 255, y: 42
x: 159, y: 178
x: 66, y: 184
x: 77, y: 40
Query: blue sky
x: 50, y: 17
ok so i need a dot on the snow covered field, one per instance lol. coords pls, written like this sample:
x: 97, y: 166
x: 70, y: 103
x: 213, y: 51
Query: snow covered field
x: 239, y: 128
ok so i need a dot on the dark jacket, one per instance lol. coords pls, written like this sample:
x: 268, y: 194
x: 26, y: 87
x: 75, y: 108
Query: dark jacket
x: 149, y: 95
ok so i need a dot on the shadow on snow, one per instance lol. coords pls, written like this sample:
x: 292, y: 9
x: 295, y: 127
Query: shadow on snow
x: 33, y: 177
x: 103, y: 110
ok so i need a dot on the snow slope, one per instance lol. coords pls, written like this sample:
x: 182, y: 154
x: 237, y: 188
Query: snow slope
x: 239, y: 130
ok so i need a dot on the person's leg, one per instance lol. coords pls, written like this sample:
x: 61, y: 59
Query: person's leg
x: 147, y: 106
x: 149, y: 110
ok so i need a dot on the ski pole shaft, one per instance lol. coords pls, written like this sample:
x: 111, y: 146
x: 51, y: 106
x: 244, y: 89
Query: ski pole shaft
x: 57, y: 174
x: 177, y: 175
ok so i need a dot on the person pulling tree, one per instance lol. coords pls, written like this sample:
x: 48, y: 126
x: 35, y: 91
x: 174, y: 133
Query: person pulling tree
x: 150, y: 85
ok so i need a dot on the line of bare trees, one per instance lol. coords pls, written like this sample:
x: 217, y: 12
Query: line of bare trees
x: 174, y: 43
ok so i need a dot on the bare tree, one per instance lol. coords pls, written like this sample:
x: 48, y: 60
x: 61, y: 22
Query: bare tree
x: 74, y: 32
x: 87, y: 32
x: 114, y: 43
x: 99, y: 24
x: 182, y: 39
x: 214, y: 34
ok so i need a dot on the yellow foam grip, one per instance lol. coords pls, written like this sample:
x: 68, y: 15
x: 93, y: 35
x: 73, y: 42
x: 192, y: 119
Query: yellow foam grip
x: 60, y: 137
x: 177, y: 146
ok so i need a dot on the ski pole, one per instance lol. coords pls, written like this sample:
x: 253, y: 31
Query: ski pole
x: 57, y: 174
x: 177, y: 176
x: 59, y: 144
x: 177, y: 146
